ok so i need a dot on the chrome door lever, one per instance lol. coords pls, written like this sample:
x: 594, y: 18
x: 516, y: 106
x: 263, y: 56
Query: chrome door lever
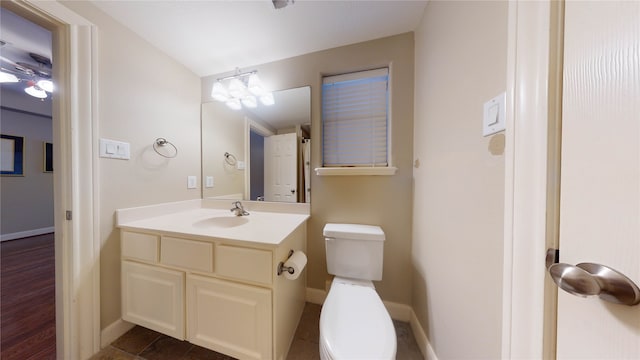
x: 590, y: 279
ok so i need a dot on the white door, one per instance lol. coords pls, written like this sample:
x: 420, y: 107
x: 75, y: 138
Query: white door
x: 600, y: 177
x: 280, y: 168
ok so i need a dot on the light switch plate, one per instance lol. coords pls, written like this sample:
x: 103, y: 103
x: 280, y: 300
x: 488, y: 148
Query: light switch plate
x: 209, y: 181
x: 494, y: 118
x: 192, y: 182
x: 114, y: 149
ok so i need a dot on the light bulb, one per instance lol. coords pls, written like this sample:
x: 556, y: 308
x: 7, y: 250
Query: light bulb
x: 249, y: 101
x: 35, y: 91
x: 234, y: 104
x: 237, y: 88
x: 255, y: 85
x: 7, y: 78
x: 218, y: 92
x: 45, y: 85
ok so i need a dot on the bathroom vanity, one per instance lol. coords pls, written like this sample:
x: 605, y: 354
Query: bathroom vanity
x: 194, y: 271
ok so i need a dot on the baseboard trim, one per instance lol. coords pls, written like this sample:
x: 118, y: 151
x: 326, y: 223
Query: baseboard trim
x: 397, y: 311
x: 28, y: 233
x: 114, y: 331
x: 316, y: 296
x: 421, y: 338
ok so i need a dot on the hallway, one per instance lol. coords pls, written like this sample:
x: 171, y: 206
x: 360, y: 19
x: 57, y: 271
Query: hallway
x: 27, y: 300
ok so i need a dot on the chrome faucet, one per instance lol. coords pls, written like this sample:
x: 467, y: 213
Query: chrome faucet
x: 238, y: 209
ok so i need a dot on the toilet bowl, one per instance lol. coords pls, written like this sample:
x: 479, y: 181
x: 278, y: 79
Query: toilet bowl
x: 354, y: 324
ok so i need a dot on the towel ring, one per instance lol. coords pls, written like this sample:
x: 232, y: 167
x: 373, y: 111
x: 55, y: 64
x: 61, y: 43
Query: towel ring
x: 160, y: 142
x: 230, y: 159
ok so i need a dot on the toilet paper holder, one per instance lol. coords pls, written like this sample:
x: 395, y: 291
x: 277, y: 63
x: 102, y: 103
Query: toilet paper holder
x: 282, y: 268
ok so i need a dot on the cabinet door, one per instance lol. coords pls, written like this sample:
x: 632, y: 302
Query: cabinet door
x: 153, y: 297
x: 230, y: 318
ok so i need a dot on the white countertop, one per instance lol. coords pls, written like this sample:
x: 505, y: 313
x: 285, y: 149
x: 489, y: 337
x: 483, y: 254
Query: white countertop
x: 261, y: 227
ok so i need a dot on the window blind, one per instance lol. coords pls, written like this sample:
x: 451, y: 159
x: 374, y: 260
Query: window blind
x: 355, y: 119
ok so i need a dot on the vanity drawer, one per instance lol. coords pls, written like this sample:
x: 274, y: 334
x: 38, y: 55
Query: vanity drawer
x: 140, y: 246
x: 244, y: 263
x: 188, y: 254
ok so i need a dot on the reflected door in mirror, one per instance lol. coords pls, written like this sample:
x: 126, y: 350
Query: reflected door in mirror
x: 280, y: 165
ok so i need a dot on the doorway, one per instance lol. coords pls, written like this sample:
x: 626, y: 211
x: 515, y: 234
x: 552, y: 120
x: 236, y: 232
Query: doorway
x: 528, y: 325
x: 77, y: 244
x: 27, y: 310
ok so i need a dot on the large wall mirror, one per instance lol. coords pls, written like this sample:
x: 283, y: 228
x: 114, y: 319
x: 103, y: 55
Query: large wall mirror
x: 260, y: 154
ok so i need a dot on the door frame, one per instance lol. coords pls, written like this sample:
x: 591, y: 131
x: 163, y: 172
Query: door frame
x: 531, y: 159
x: 77, y: 241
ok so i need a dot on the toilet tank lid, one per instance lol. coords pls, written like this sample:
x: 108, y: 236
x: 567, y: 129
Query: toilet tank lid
x: 354, y: 231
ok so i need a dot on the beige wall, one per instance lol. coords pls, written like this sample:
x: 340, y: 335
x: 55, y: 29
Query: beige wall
x: 459, y: 185
x: 142, y: 95
x: 381, y: 200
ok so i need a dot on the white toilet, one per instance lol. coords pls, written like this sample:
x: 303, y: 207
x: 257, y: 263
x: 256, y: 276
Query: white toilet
x: 354, y: 324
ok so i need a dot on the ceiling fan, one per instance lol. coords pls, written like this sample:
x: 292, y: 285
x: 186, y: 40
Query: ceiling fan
x: 279, y: 4
x: 19, y: 66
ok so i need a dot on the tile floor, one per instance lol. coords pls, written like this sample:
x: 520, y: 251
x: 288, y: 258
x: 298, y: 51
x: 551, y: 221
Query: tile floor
x: 144, y: 344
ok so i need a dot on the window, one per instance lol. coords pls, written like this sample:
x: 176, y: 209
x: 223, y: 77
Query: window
x: 355, y: 120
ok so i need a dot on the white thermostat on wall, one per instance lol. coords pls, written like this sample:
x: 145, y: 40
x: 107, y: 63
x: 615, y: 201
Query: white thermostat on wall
x: 494, y: 120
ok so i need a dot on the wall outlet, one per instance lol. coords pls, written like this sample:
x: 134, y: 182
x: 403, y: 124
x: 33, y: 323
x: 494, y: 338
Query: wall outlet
x: 209, y: 181
x: 192, y: 182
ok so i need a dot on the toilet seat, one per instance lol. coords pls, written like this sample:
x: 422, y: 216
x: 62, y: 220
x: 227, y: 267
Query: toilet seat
x: 354, y: 324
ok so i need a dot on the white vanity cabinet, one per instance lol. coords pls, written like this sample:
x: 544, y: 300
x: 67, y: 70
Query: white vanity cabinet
x: 217, y: 293
x: 229, y: 317
x: 153, y: 297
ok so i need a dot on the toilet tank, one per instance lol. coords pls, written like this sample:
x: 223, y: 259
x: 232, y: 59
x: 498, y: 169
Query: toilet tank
x: 354, y: 250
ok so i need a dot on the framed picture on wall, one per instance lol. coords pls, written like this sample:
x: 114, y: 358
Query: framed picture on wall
x: 47, y: 154
x: 11, y: 155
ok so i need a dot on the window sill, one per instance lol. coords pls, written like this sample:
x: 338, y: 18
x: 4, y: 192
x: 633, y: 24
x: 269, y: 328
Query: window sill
x: 333, y: 171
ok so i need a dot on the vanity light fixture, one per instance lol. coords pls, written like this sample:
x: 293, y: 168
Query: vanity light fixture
x: 250, y: 101
x: 244, y: 89
x: 234, y: 104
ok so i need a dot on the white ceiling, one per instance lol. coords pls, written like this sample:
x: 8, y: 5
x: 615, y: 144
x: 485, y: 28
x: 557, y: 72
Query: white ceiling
x: 215, y: 36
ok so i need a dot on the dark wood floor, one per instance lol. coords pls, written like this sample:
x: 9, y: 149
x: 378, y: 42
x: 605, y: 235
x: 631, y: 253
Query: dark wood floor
x: 27, y: 299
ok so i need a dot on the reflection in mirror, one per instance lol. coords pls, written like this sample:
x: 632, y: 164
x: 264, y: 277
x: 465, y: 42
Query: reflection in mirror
x: 258, y: 154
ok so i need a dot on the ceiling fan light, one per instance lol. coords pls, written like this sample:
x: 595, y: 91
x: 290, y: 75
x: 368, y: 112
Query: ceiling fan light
x: 255, y: 85
x: 46, y: 85
x: 8, y: 78
x: 250, y: 101
x: 218, y: 92
x: 35, y: 91
x: 234, y: 104
x: 267, y: 99
x: 236, y: 88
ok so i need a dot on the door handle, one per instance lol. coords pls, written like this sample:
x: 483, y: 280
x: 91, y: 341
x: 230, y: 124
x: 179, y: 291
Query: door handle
x: 590, y: 279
